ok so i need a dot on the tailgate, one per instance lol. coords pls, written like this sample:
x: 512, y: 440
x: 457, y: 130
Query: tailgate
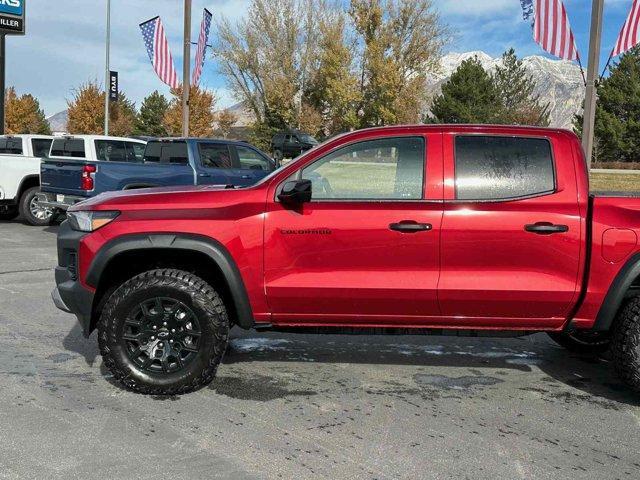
x: 61, y: 175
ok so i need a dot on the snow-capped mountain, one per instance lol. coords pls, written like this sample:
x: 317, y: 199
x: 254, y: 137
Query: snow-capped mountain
x: 558, y: 82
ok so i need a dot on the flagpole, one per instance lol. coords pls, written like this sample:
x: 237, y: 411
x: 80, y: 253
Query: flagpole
x: 589, y: 118
x: 107, y: 68
x: 186, y: 68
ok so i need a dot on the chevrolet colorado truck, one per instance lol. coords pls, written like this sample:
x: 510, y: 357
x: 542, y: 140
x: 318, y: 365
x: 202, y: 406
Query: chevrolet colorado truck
x: 82, y: 167
x: 465, y: 230
x: 20, y: 158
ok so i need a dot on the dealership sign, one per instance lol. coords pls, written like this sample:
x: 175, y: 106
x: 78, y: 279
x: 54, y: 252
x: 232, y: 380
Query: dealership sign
x: 12, y: 16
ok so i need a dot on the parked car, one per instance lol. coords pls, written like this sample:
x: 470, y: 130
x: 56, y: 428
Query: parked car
x: 460, y: 229
x: 20, y: 157
x: 109, y: 164
x: 291, y: 144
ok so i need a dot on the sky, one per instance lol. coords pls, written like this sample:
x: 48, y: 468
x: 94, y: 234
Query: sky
x: 65, y: 41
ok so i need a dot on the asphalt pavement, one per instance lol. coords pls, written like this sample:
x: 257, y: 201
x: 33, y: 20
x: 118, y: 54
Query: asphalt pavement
x: 301, y: 406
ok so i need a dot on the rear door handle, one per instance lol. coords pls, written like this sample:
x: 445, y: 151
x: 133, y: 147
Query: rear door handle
x: 545, y: 228
x: 204, y: 174
x: 410, y: 226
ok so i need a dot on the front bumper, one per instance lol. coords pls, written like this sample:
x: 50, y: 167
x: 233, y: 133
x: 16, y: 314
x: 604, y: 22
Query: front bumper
x: 70, y: 295
x: 57, y: 200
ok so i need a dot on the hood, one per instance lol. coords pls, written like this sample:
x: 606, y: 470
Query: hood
x: 159, y: 198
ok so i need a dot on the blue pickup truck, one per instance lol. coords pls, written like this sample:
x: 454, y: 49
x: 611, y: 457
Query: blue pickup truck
x: 82, y: 166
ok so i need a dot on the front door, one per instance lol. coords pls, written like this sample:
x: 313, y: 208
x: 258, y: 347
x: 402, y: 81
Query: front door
x: 365, y: 250
x: 511, y: 232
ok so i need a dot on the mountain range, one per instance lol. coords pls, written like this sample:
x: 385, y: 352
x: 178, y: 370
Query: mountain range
x: 558, y: 82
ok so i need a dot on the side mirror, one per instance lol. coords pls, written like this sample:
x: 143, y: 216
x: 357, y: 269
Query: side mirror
x: 295, y: 192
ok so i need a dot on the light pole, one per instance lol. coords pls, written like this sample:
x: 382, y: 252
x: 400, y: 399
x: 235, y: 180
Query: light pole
x: 107, y: 78
x: 186, y: 68
x: 589, y: 119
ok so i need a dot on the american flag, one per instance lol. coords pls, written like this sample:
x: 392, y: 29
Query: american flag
x: 630, y: 33
x: 551, y: 29
x: 205, y: 26
x: 158, y: 50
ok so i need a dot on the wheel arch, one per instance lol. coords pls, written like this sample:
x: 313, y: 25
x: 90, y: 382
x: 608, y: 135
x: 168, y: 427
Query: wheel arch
x: 625, y: 283
x: 26, y: 183
x: 129, y: 255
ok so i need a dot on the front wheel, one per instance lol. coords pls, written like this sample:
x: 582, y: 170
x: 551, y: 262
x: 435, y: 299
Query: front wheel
x: 163, y: 332
x: 33, y: 212
x: 626, y: 344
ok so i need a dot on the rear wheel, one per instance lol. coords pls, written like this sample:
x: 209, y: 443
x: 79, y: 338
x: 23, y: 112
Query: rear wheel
x: 33, y: 212
x: 626, y: 344
x: 277, y: 156
x: 163, y: 332
x: 586, y: 342
x: 9, y: 213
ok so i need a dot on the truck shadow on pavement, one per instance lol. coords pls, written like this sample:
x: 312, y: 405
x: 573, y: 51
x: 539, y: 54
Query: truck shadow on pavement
x: 555, y: 374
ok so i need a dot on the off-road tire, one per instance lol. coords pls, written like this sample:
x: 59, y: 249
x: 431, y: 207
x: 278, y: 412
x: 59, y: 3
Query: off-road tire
x: 626, y: 344
x: 9, y: 214
x: 25, y: 209
x: 585, y: 343
x: 192, y: 291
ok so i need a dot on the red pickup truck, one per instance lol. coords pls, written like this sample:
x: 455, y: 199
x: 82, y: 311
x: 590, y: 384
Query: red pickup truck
x: 456, y: 229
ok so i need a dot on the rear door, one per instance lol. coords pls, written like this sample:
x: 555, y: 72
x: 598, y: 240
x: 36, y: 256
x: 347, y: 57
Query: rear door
x: 511, y: 231
x: 215, y: 161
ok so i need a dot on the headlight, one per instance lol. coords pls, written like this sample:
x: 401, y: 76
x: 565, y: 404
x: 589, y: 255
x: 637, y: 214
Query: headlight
x: 90, y: 221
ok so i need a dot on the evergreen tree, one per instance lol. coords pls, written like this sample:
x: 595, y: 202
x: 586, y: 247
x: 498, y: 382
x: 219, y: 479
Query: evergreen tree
x: 617, y: 127
x: 24, y: 115
x: 150, y: 119
x: 469, y: 96
x: 520, y: 105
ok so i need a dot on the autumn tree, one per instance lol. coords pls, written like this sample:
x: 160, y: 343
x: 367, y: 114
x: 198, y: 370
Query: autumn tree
x: 201, y: 113
x: 519, y: 103
x: 226, y: 120
x: 23, y: 114
x: 86, y: 112
x: 400, y: 43
x: 151, y: 116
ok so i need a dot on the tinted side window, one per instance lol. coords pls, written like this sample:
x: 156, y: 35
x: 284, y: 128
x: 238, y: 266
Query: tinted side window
x: 11, y: 146
x: 215, y: 155
x: 40, y: 147
x: 499, y: 168
x: 62, y: 147
x: 111, y: 151
x: 252, y: 160
x: 389, y: 168
x: 166, y: 152
x: 135, y: 152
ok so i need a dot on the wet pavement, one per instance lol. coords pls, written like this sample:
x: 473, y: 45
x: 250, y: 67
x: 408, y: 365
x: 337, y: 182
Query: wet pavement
x: 301, y: 406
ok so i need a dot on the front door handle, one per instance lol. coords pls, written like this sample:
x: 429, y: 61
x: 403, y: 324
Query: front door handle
x: 204, y: 174
x: 545, y: 228
x: 410, y: 226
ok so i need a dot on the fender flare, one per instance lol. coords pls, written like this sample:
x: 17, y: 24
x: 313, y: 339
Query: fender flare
x: 179, y: 241
x: 617, y: 293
